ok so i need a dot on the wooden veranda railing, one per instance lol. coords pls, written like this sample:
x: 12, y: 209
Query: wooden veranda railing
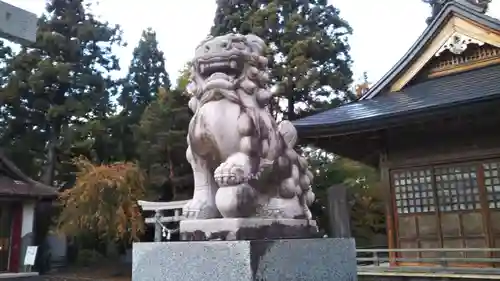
x: 457, y: 260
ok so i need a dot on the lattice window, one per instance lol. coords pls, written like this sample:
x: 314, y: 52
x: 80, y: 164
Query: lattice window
x: 413, y: 191
x: 450, y: 188
x: 492, y: 184
x: 457, y: 188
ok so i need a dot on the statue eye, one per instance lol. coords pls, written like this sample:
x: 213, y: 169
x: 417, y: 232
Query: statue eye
x: 239, y: 45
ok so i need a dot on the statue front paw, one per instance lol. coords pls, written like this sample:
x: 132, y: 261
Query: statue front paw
x: 234, y: 171
x: 200, y: 209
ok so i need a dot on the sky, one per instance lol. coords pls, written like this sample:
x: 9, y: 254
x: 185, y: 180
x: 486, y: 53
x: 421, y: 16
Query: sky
x: 383, y: 29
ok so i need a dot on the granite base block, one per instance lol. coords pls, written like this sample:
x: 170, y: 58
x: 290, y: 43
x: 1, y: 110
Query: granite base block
x: 332, y: 259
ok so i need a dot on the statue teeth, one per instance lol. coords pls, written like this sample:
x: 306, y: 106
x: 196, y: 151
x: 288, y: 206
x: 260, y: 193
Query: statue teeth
x: 217, y: 64
x: 233, y: 64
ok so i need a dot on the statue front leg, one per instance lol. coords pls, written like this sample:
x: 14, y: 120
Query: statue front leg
x: 236, y: 197
x: 202, y: 206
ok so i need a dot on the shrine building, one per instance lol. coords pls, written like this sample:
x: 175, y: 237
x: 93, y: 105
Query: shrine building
x: 431, y: 127
x: 18, y: 195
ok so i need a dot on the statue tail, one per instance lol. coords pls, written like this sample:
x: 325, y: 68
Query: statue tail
x: 288, y: 132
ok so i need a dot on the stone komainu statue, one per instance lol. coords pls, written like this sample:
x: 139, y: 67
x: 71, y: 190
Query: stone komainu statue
x: 244, y: 163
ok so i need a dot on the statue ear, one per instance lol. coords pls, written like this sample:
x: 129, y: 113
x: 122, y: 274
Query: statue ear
x: 256, y: 43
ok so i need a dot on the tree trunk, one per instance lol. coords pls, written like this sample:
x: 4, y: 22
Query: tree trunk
x: 48, y: 171
x: 172, y: 176
x: 50, y: 165
x: 291, y: 108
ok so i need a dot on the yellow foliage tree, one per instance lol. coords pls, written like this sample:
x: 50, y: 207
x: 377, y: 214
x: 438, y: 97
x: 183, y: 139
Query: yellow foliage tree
x: 104, y: 201
x: 364, y: 86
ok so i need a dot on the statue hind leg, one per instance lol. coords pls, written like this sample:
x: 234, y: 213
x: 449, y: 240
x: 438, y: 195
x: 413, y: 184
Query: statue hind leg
x: 202, y: 206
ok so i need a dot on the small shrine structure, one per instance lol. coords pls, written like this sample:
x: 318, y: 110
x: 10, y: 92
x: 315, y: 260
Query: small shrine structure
x: 18, y: 193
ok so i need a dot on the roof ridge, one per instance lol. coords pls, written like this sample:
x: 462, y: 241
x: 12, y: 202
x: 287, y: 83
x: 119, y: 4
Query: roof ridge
x: 469, y: 5
x: 462, y: 7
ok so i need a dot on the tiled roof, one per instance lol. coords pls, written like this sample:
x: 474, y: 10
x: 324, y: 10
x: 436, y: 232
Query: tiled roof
x: 13, y: 182
x: 447, y: 91
x: 11, y: 187
x: 461, y: 8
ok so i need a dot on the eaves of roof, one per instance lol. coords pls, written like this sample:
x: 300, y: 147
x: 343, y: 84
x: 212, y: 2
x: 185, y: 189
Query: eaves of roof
x: 429, y: 97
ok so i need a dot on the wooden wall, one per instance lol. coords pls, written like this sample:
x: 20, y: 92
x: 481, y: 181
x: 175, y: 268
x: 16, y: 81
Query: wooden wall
x: 443, y: 186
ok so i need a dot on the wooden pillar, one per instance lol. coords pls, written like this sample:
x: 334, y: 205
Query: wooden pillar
x: 338, y: 210
x: 390, y: 211
x: 15, y: 237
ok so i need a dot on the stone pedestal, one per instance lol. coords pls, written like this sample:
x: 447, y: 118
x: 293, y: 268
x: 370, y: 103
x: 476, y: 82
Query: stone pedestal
x: 247, y: 229
x: 332, y: 259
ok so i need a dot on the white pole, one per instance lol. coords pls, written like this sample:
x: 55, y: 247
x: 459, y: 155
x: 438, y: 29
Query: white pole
x: 158, y: 226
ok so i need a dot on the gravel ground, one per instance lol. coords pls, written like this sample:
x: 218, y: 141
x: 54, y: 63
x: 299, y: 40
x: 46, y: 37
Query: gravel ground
x: 109, y: 272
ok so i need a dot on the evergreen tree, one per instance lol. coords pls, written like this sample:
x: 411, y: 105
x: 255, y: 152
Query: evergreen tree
x: 366, y: 203
x: 161, y: 137
x: 146, y: 75
x: 19, y: 139
x: 60, y: 86
x: 309, y: 52
x: 183, y: 79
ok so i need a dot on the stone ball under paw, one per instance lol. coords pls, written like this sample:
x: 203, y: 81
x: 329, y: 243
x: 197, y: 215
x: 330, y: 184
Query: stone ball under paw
x: 236, y: 201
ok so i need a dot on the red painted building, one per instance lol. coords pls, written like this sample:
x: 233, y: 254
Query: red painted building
x: 18, y: 197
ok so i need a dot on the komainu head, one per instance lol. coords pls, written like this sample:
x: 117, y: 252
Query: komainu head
x: 228, y: 63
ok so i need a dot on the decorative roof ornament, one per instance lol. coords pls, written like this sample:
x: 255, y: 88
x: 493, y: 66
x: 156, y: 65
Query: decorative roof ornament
x: 457, y: 44
x: 481, y: 5
x: 437, y: 5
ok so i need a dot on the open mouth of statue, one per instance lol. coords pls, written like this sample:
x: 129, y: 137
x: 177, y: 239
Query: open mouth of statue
x: 226, y: 69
